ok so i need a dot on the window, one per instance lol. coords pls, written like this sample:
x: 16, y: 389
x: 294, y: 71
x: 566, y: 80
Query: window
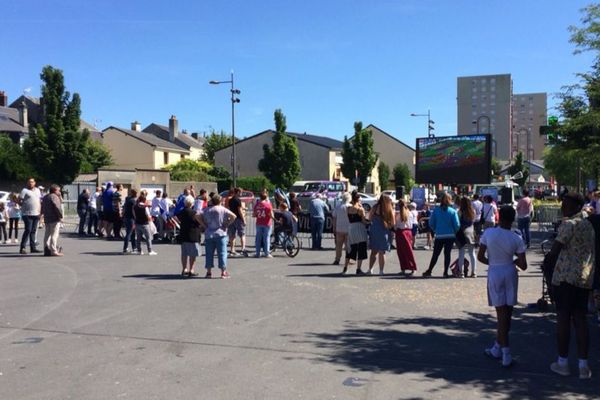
x: 165, y: 158
x: 483, y: 105
x: 493, y: 88
x: 182, y: 157
x: 493, y: 81
x: 493, y: 112
x: 483, y: 81
x: 474, y: 97
x: 492, y: 96
x: 473, y: 105
x: 473, y: 112
x: 483, y: 89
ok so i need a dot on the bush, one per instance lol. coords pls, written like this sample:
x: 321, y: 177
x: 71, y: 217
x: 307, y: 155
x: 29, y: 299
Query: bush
x: 252, y: 183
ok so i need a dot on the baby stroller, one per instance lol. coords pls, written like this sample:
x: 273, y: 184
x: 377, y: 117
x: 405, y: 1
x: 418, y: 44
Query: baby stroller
x: 171, y: 230
x: 458, y: 272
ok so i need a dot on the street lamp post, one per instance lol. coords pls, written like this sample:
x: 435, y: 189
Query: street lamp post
x: 234, y: 100
x: 430, y: 122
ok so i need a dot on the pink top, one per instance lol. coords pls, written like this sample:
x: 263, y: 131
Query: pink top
x: 524, y: 207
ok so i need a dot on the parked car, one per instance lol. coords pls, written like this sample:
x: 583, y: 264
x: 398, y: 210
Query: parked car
x: 331, y: 189
x: 368, y: 201
x: 391, y: 193
x: 246, y: 197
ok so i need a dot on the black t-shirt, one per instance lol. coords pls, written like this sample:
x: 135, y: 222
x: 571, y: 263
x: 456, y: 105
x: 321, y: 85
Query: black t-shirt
x: 189, y: 228
x: 83, y: 201
x: 139, y: 213
x: 235, y: 205
x: 128, y: 207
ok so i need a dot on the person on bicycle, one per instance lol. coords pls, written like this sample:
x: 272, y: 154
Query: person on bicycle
x: 284, y: 222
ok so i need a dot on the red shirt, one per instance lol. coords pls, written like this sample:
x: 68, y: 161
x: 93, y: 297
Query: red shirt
x: 262, y: 212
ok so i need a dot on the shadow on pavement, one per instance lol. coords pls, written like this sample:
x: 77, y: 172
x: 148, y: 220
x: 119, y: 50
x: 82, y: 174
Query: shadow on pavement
x: 165, y: 277
x: 308, y: 264
x: 105, y: 253
x: 452, y: 350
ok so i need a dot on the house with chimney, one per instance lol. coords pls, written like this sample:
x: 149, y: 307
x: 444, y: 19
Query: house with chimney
x: 136, y: 149
x: 14, y: 121
x: 192, y: 142
x: 27, y: 111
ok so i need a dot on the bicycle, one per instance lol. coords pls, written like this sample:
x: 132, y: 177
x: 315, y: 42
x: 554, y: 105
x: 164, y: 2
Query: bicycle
x: 288, y: 242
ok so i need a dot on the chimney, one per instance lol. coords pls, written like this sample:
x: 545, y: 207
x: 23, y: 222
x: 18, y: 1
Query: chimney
x: 173, y: 128
x: 3, y: 99
x: 195, y: 135
x: 23, y: 115
x: 135, y: 126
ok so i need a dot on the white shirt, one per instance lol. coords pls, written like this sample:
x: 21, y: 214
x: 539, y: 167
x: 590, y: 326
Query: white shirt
x: 489, y: 212
x: 477, y: 207
x: 165, y: 204
x: 413, y: 218
x: 155, y: 211
x: 32, y: 201
x: 342, y: 223
x: 94, y: 200
x: 502, y: 245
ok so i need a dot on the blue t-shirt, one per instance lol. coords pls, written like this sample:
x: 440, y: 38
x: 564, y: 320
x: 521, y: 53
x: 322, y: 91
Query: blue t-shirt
x: 317, y: 208
x: 107, y: 199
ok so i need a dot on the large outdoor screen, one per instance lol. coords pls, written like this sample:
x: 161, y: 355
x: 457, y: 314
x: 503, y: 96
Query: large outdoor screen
x: 454, y: 159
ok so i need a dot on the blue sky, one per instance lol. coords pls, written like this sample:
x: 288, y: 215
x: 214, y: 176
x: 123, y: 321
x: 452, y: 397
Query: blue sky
x: 325, y: 63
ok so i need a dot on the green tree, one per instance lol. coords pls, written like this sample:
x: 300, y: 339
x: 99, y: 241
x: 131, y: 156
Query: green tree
x: 577, y: 137
x: 57, y: 148
x: 496, y: 168
x: 190, y: 170
x: 384, y: 175
x: 402, y: 176
x: 358, y: 155
x: 518, y: 166
x: 14, y: 166
x: 97, y: 156
x: 214, y: 142
x: 281, y: 163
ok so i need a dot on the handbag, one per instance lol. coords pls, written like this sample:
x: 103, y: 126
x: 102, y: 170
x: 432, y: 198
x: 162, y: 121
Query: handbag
x: 460, y: 239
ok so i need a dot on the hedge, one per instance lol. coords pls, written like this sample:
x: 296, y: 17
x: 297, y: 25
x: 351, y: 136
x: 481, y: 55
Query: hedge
x: 252, y: 183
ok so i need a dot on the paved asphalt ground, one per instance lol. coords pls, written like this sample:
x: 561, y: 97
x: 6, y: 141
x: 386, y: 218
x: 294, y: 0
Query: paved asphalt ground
x: 99, y: 325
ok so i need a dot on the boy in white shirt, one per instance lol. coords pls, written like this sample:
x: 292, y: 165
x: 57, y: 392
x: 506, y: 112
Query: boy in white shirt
x: 501, y: 245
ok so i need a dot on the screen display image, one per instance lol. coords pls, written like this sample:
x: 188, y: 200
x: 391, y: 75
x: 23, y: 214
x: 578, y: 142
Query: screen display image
x: 454, y: 159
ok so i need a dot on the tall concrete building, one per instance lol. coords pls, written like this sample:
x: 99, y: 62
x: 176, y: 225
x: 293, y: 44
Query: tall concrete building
x: 484, y: 106
x: 529, y: 113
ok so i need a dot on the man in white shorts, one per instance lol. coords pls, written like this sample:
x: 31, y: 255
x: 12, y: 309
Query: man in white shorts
x: 501, y: 245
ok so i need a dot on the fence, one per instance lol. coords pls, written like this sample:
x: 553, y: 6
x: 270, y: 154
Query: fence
x: 547, y: 217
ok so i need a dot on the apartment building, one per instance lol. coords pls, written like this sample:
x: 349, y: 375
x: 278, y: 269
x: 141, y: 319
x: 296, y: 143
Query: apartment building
x: 529, y: 113
x: 484, y: 106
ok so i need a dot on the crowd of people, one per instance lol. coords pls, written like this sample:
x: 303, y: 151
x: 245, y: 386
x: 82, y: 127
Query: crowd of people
x: 460, y: 222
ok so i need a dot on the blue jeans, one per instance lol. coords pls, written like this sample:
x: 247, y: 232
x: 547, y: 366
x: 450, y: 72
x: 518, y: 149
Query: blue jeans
x: 129, y: 234
x: 218, y: 244
x: 82, y: 213
x: 92, y: 221
x: 31, y: 224
x: 524, y: 224
x: 263, y: 234
x: 316, y: 231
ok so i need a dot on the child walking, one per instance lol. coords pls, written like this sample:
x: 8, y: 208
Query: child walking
x: 501, y: 245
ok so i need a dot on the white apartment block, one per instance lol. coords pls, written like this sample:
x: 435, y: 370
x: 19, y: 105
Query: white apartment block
x: 484, y: 106
x: 529, y: 113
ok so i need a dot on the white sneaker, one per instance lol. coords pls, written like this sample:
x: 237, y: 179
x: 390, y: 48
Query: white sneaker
x: 585, y: 373
x: 556, y: 367
x: 152, y: 253
x: 127, y: 251
x: 269, y: 256
x: 141, y: 252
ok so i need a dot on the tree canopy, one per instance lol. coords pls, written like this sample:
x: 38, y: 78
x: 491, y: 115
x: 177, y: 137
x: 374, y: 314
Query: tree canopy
x: 575, y: 144
x: 281, y: 162
x: 57, y: 149
x: 213, y: 142
x: 358, y: 156
x: 402, y: 176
